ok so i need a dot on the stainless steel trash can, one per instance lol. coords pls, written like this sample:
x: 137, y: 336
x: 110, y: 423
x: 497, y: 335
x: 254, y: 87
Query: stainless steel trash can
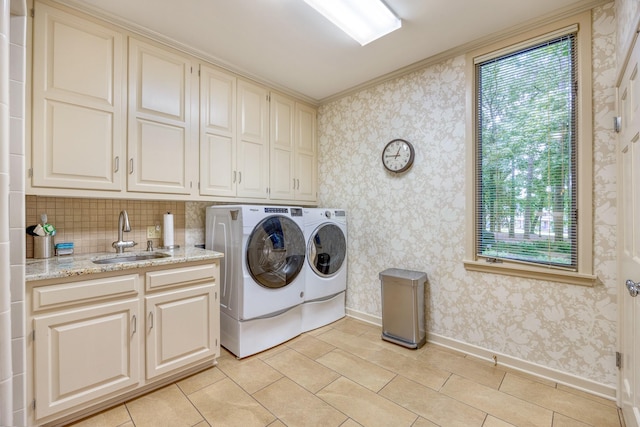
x: 403, y: 307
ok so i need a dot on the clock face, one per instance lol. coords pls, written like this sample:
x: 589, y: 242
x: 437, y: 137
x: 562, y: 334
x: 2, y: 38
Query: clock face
x: 398, y: 155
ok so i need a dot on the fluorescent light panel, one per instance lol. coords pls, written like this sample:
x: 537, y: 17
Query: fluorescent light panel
x: 363, y: 20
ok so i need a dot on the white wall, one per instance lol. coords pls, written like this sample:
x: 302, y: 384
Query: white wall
x: 416, y: 220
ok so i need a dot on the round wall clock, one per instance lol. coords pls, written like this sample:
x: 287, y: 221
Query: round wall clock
x: 398, y: 155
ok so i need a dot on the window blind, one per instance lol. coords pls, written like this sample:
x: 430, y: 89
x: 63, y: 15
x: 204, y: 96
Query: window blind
x: 526, y: 186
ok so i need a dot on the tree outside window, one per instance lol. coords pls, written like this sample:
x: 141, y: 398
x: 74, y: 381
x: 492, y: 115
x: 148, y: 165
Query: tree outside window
x: 526, y: 186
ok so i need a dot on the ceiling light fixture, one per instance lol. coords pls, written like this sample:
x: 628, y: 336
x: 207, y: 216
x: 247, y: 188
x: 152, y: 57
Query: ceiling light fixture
x: 363, y: 20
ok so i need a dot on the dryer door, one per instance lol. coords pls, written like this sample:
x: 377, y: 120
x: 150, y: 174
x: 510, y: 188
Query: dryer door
x: 275, y: 252
x: 327, y: 250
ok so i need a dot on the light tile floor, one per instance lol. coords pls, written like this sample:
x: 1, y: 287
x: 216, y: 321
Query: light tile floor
x: 344, y: 375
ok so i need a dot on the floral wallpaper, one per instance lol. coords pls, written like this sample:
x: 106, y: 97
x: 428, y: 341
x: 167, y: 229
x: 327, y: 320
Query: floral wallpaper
x: 196, y: 223
x: 628, y: 14
x: 416, y: 220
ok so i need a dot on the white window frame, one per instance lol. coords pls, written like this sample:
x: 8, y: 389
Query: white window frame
x: 584, y: 274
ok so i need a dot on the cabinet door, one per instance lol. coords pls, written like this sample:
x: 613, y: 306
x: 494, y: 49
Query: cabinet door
x: 306, y: 157
x: 182, y: 328
x: 160, y: 147
x: 281, y: 146
x: 84, y: 354
x: 218, y: 174
x: 78, y: 107
x: 253, y: 141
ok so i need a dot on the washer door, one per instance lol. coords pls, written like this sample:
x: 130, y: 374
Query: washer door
x: 275, y: 252
x: 327, y: 250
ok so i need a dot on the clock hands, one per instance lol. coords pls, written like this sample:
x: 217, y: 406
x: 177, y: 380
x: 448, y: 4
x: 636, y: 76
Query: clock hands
x: 394, y: 155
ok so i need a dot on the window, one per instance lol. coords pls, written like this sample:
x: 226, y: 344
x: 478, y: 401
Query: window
x: 530, y: 187
x: 525, y: 143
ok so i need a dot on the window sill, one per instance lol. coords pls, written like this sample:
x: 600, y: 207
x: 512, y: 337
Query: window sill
x: 531, y: 272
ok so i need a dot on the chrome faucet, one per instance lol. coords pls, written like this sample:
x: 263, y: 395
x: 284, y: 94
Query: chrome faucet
x: 123, y: 226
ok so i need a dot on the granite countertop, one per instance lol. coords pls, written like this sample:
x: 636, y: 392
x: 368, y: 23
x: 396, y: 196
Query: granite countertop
x: 79, y: 265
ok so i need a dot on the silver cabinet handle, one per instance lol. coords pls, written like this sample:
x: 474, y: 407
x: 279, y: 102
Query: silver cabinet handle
x: 131, y: 166
x: 117, y: 168
x: 234, y: 176
x: 151, y: 320
x: 298, y: 184
x: 294, y: 183
x: 135, y: 324
x: 239, y: 177
x: 633, y: 287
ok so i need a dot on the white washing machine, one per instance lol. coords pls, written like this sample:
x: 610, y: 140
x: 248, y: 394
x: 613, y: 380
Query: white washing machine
x: 325, y: 231
x: 261, y: 275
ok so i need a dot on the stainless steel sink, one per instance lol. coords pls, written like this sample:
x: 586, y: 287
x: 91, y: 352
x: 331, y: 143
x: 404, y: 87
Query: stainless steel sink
x: 130, y: 258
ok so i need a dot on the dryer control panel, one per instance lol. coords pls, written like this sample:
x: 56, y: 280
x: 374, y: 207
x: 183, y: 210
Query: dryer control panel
x: 335, y: 214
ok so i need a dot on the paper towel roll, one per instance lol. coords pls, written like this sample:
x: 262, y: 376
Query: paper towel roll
x: 168, y: 230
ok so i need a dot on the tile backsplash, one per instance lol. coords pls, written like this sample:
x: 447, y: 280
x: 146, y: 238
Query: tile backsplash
x: 92, y: 224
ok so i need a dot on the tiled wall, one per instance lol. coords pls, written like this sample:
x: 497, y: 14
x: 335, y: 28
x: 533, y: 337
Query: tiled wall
x: 92, y: 224
x: 12, y: 77
x: 6, y: 380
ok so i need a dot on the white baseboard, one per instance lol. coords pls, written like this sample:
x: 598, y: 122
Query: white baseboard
x: 530, y: 368
x: 374, y: 320
x: 540, y: 371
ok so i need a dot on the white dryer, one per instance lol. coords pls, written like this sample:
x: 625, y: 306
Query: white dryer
x: 325, y: 231
x: 261, y: 275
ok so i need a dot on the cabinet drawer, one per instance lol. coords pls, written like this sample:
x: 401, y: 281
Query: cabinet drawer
x: 181, y: 276
x: 45, y: 297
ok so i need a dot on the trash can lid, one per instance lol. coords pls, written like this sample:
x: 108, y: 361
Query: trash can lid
x: 403, y: 274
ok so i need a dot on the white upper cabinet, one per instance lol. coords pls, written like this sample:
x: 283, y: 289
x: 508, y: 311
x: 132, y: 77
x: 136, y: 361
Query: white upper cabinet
x: 306, y: 153
x: 234, y: 140
x: 115, y: 114
x: 218, y: 172
x: 253, y: 141
x: 78, y: 108
x: 293, y: 150
x: 161, y: 149
x: 282, y: 116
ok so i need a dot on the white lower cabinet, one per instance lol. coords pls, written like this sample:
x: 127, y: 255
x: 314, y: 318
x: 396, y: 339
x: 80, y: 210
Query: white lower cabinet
x: 98, y: 340
x: 182, y: 325
x: 82, y: 354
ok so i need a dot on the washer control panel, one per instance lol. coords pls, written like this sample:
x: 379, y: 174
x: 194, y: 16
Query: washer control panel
x: 291, y: 211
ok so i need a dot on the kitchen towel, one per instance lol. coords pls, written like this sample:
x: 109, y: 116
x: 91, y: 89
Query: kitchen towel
x: 168, y: 230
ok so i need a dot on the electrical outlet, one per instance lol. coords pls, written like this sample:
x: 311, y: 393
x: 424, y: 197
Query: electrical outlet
x: 154, y: 232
